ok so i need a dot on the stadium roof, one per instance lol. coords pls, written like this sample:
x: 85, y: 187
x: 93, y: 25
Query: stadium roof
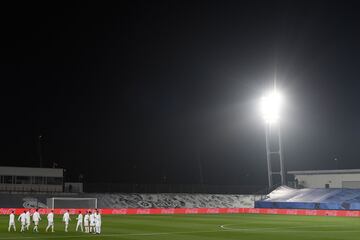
x: 317, y: 172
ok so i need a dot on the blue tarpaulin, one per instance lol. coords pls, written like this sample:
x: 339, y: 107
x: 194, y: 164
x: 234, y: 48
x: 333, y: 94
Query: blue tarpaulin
x: 312, y: 198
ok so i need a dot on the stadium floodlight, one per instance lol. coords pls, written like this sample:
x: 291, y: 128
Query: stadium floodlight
x: 270, y: 107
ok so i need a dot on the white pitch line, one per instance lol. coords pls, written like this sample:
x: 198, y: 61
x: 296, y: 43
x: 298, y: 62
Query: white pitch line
x: 286, y: 229
x: 107, y: 235
x: 224, y: 227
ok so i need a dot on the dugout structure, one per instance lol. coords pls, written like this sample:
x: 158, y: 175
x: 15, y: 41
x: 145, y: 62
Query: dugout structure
x: 69, y: 202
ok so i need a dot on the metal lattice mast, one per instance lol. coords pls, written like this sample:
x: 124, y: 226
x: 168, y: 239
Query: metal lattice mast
x: 274, y: 154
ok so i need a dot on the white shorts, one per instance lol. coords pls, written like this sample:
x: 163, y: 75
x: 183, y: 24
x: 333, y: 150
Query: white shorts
x: 50, y: 223
x: 92, y: 224
x: 11, y: 223
x: 86, y: 224
x: 23, y: 223
x: 36, y: 223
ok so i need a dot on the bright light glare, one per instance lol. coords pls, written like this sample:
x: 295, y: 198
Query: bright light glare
x: 270, y: 107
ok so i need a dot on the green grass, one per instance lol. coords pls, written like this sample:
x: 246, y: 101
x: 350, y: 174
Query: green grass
x: 203, y: 227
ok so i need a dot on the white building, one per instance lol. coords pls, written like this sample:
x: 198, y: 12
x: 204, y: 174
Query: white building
x: 23, y: 179
x: 349, y: 178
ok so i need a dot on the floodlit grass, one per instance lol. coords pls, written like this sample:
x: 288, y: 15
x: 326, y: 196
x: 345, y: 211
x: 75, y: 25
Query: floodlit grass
x: 203, y: 227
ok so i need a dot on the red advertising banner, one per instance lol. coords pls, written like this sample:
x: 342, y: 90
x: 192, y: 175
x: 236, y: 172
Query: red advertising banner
x: 144, y: 211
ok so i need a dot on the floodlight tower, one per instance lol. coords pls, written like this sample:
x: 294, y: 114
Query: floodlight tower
x: 270, y: 105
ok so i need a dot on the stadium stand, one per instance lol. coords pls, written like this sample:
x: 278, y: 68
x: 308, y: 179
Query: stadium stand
x: 176, y: 200
x: 312, y: 198
x: 138, y: 200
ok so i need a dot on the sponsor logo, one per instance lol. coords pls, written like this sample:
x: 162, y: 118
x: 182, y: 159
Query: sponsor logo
x: 232, y: 210
x: 272, y: 211
x: 42, y: 211
x: 254, y: 210
x: 331, y: 213
x: 291, y: 211
x: 352, y: 213
x: 6, y: 210
x: 191, y: 211
x: 119, y: 211
x: 311, y: 212
x: 168, y: 211
x: 62, y: 211
x: 212, y: 210
x: 143, y: 211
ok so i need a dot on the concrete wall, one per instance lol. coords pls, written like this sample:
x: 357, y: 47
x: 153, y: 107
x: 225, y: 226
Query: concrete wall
x: 334, y: 180
x: 30, y: 188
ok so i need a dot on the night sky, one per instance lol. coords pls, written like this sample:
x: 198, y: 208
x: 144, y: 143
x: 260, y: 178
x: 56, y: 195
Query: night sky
x: 140, y: 90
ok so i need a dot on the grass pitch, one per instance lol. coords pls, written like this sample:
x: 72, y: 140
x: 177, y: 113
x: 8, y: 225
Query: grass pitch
x: 202, y: 227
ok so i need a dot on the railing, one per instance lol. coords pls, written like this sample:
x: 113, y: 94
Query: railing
x: 31, y: 188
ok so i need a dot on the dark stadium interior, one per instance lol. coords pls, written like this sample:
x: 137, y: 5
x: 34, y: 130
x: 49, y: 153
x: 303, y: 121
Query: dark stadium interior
x: 167, y: 91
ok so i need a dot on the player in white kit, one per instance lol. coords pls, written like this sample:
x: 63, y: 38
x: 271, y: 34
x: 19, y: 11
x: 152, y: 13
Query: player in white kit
x: 98, y: 222
x: 36, y: 219
x: 66, y: 220
x: 12, y: 221
x: 79, y: 222
x: 92, y: 222
x: 86, y: 221
x: 22, y: 219
x: 50, y: 218
x: 28, y: 219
